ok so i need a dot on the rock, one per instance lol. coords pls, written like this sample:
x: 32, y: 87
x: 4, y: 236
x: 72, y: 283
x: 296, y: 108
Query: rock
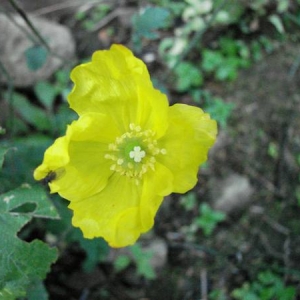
x: 158, y: 248
x: 14, y: 42
x: 223, y: 141
x: 233, y: 194
x: 54, y: 9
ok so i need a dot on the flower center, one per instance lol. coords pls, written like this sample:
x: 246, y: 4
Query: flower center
x: 134, y: 153
x: 137, y: 154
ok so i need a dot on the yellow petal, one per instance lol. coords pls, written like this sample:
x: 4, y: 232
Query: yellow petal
x: 112, y: 214
x: 118, y: 61
x: 55, y: 157
x: 83, y: 176
x: 128, y: 228
x: 152, y: 112
x: 156, y: 185
x: 190, y: 134
x: 93, y: 92
x: 96, y: 127
x: 88, y: 171
x: 118, y: 84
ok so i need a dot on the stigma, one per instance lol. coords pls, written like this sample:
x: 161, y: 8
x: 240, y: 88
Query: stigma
x: 137, y: 154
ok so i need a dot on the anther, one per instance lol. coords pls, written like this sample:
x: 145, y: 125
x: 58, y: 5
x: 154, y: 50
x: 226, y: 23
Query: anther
x: 112, y: 147
x: 120, y: 161
x: 163, y: 151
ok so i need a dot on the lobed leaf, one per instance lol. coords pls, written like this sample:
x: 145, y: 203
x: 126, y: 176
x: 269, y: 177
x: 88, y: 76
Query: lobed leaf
x: 28, y: 194
x: 21, y: 263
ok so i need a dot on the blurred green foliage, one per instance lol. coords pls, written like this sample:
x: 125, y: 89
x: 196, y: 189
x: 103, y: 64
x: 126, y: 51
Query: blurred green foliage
x: 36, y: 56
x: 208, y: 219
x: 219, y: 109
x: 89, y: 18
x: 189, y: 201
x: 205, y: 218
x: 266, y: 286
x: 146, y: 22
x: 140, y: 258
x: 187, y: 76
x: 183, y: 33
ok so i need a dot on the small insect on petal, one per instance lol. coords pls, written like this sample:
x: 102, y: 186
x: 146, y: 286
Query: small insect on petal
x: 50, y: 177
x: 53, y: 175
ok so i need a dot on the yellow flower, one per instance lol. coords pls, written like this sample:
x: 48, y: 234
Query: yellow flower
x: 127, y: 150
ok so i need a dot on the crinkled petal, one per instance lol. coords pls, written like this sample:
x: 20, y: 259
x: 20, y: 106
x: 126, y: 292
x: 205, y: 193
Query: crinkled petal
x: 113, y: 214
x: 55, y: 158
x: 190, y: 134
x: 95, y: 127
x: 156, y: 185
x: 83, y: 176
x: 118, y: 84
x: 95, y: 92
x: 119, y: 61
x: 88, y: 171
x: 153, y: 109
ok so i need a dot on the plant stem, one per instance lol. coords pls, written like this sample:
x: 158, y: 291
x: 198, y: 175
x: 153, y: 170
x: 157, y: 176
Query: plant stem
x: 10, y: 89
x: 22, y: 13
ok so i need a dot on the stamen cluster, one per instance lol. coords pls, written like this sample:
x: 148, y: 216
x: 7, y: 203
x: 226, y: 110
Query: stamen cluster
x: 134, y: 152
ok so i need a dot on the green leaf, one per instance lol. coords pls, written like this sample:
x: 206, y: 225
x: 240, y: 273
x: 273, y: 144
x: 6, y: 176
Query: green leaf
x: 187, y: 76
x: 219, y: 110
x: 96, y: 250
x: 63, y: 116
x: 21, y: 263
x: 36, y: 57
x: 142, y: 260
x: 3, y: 151
x: 150, y: 19
x: 283, y: 6
x: 7, y: 295
x: 229, y: 46
x: 30, y: 113
x: 228, y: 69
x: 245, y: 293
x: 273, y: 150
x: 121, y: 263
x: 28, y: 194
x: 209, y: 219
x: 189, y: 201
x: 211, y: 60
x: 46, y: 93
x: 233, y: 9
x: 276, y: 21
x: 37, y: 291
x: 288, y: 293
x: 26, y: 153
